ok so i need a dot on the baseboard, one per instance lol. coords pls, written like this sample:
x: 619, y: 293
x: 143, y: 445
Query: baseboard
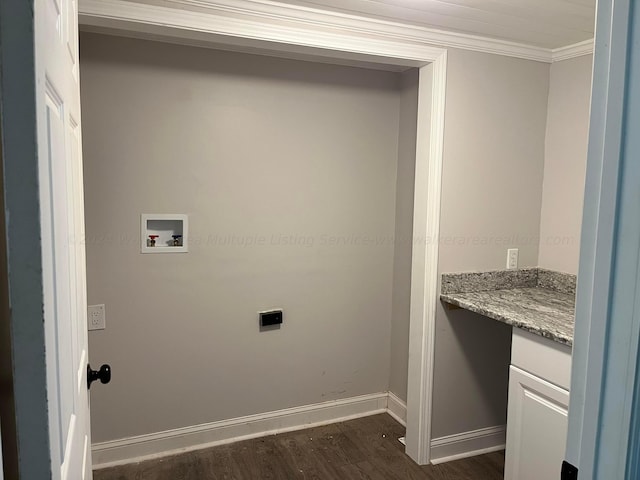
x: 468, y: 444
x: 397, y: 408
x: 171, y: 442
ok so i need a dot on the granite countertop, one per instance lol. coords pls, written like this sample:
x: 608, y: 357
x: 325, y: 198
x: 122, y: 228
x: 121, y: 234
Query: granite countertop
x: 539, y: 301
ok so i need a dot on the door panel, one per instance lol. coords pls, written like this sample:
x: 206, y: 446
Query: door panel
x: 62, y: 220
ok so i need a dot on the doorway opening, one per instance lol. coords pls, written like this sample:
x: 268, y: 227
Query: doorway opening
x: 428, y: 83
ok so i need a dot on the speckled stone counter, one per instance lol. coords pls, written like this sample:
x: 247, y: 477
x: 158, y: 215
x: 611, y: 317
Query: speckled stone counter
x: 536, y: 300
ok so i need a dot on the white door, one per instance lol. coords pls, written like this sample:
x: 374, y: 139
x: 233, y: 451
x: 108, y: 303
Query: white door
x: 62, y: 225
x: 536, y: 427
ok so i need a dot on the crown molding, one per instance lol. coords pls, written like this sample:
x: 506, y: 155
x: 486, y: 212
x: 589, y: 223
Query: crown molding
x: 572, y: 51
x: 291, y: 29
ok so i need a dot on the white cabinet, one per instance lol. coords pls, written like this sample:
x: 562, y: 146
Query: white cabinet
x: 536, y: 427
x: 538, y: 408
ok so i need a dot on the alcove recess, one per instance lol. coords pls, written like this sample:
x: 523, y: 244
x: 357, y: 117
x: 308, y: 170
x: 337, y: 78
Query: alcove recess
x: 167, y: 229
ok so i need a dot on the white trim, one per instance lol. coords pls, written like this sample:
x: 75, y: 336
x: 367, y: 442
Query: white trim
x: 572, y: 51
x: 397, y: 408
x: 249, y: 22
x: 468, y: 444
x: 243, y: 29
x: 424, y: 269
x: 180, y: 440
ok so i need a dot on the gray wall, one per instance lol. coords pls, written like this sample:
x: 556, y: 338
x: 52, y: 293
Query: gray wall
x: 565, y: 164
x: 491, y: 196
x: 249, y: 146
x: 403, y: 234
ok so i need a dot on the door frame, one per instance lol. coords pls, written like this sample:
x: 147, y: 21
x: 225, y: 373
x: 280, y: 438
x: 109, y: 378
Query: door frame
x: 263, y: 28
x: 336, y: 38
x: 604, y: 427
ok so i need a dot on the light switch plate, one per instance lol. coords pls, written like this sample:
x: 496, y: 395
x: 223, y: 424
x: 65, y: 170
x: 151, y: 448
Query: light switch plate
x: 96, y: 317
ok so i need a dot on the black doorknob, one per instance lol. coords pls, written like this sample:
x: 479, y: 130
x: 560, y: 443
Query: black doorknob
x: 104, y: 375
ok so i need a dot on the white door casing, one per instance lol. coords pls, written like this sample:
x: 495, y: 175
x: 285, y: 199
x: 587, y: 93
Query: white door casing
x: 536, y: 427
x: 62, y: 233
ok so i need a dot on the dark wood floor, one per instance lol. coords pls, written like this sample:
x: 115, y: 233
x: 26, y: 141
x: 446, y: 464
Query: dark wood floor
x: 366, y: 448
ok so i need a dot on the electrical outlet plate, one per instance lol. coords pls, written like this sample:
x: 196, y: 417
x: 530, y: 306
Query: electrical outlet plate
x: 512, y: 259
x: 96, y: 317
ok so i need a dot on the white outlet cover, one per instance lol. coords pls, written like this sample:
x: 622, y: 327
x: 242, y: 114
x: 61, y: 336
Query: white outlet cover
x: 96, y: 318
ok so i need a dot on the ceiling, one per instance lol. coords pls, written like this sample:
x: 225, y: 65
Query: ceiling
x: 541, y: 23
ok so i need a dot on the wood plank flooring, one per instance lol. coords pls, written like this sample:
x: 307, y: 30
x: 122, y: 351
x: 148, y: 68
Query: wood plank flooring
x: 362, y: 449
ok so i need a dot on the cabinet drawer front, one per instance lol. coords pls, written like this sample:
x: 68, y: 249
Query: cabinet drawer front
x: 542, y: 357
x: 536, y: 428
